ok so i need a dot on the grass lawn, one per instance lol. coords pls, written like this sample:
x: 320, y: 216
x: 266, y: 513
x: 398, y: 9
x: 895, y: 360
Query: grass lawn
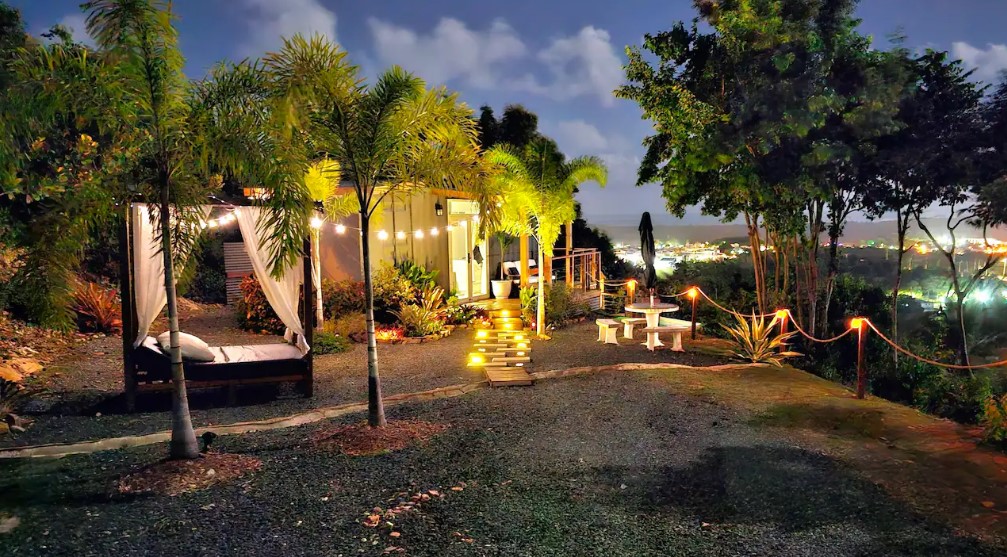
x: 744, y: 461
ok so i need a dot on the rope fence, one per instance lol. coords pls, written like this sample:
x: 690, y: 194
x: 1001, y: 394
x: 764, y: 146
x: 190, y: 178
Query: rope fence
x: 857, y: 324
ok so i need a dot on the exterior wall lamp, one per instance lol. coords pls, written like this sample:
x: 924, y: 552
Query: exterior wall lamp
x: 439, y: 209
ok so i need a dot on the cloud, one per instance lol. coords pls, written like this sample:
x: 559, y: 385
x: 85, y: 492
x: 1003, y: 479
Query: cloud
x: 269, y: 21
x: 578, y: 137
x: 584, y: 64
x: 450, y: 51
x: 988, y: 63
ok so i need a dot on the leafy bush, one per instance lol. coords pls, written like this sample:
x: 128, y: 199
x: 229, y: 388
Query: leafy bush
x: 460, y: 314
x: 560, y: 307
x: 350, y: 326
x: 342, y: 297
x: 391, y: 290
x: 208, y: 283
x: 417, y: 275
x: 529, y: 301
x: 994, y: 419
x: 427, y: 316
x: 97, y: 308
x: 329, y: 343
x: 759, y: 342
x: 254, y: 312
x: 954, y: 395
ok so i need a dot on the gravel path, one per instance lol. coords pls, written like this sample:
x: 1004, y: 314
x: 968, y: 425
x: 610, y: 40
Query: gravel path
x: 86, y: 385
x: 610, y: 465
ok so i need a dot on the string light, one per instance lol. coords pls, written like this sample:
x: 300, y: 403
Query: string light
x: 400, y: 235
x: 316, y: 223
x: 434, y: 231
x: 382, y: 235
x: 419, y: 234
x: 340, y: 229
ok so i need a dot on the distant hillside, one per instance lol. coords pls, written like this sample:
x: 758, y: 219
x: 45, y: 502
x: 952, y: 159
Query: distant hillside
x: 856, y: 232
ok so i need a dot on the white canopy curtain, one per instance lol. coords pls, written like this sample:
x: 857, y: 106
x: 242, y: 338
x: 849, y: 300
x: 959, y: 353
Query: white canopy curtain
x: 148, y: 267
x: 284, y: 294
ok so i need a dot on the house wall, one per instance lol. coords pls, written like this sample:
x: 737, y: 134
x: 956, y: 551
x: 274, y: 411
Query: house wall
x: 341, y: 253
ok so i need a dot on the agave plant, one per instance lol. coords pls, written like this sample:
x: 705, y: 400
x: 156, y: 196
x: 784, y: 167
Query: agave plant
x: 758, y: 342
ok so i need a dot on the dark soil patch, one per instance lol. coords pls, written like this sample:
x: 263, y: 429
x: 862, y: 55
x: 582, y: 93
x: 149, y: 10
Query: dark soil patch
x: 175, y: 477
x: 364, y: 440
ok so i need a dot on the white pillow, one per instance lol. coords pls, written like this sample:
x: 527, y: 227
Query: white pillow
x: 193, y: 347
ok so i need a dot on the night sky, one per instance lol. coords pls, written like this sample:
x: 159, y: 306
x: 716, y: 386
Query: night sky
x: 559, y: 58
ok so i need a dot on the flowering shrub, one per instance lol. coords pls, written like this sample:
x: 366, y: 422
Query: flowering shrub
x: 254, y: 312
x: 342, y: 297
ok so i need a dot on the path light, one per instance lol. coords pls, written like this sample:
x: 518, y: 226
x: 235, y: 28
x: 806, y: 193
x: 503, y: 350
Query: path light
x: 694, y: 296
x: 859, y: 323
x: 316, y: 223
x: 476, y: 359
x: 382, y: 235
x: 340, y: 229
x: 781, y: 316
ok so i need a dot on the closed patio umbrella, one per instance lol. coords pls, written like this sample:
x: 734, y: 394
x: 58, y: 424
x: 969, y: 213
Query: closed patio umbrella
x: 649, y: 254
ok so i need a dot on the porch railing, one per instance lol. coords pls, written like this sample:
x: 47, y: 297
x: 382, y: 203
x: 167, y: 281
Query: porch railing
x: 580, y: 269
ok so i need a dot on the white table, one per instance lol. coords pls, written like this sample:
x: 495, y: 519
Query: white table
x: 652, y: 312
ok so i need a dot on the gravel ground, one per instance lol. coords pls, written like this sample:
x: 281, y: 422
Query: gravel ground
x: 608, y: 464
x: 85, y: 387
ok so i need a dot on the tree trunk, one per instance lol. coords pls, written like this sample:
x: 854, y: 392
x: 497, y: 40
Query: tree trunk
x: 540, y: 319
x: 316, y: 266
x: 830, y: 280
x: 375, y: 406
x: 183, y: 443
x: 897, y: 286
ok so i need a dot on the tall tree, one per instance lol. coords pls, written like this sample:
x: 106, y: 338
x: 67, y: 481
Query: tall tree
x: 518, y: 127
x: 922, y: 152
x: 746, y: 114
x: 952, y: 177
x: 489, y: 128
x: 538, y: 185
x: 394, y: 137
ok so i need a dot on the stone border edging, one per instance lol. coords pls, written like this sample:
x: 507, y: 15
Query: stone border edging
x: 59, y: 450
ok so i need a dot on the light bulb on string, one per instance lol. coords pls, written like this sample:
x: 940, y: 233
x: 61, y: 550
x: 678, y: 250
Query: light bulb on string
x: 400, y: 235
x: 418, y: 234
x: 434, y: 232
x: 340, y: 229
x: 449, y: 228
x: 316, y: 223
x: 382, y: 235
x: 212, y: 224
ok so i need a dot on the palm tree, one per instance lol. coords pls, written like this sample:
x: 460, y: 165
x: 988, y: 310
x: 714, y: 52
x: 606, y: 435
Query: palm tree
x: 178, y: 132
x: 536, y: 188
x: 394, y: 137
x: 322, y: 182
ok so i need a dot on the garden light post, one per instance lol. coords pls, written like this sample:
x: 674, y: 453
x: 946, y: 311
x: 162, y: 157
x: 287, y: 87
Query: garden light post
x: 781, y: 316
x: 693, y: 294
x: 858, y: 323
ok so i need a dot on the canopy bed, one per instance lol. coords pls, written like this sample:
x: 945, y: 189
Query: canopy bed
x: 146, y: 363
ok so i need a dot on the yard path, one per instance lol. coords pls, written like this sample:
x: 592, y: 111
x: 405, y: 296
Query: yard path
x: 642, y: 462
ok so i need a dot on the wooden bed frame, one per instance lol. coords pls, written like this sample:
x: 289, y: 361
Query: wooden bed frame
x: 146, y: 370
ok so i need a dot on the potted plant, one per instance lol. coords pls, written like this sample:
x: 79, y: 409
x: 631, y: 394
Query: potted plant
x: 502, y: 287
